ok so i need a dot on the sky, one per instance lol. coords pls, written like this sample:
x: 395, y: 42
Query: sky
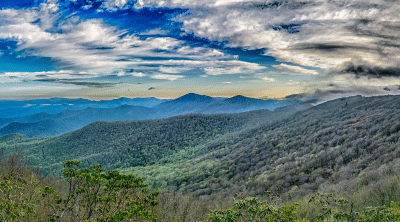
x: 104, y: 49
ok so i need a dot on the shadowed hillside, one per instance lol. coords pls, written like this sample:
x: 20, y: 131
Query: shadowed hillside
x: 137, y: 143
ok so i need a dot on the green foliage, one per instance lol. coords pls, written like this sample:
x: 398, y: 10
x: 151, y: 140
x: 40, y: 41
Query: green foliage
x: 94, y: 195
x: 87, y: 194
x: 382, y: 213
x: 332, y: 208
x: 253, y: 209
x: 14, y: 200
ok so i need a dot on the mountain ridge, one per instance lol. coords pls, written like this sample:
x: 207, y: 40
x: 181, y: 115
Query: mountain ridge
x: 191, y: 103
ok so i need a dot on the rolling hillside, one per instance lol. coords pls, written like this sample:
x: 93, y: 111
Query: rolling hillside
x: 127, y: 144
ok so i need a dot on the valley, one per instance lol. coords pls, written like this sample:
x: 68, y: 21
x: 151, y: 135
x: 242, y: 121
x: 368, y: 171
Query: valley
x: 344, y: 146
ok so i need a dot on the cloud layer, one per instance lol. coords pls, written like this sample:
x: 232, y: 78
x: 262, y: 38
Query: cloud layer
x: 318, y: 33
x: 92, y: 45
x: 348, y: 42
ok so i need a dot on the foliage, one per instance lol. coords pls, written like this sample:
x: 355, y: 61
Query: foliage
x: 253, y: 209
x: 349, y: 147
x: 382, y: 213
x: 14, y: 201
x: 87, y: 194
x: 332, y: 208
x: 117, y: 145
x: 97, y: 196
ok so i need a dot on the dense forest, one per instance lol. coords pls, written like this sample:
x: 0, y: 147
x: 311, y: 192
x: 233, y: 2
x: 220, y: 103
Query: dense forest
x: 92, y: 194
x: 338, y: 160
x: 126, y: 144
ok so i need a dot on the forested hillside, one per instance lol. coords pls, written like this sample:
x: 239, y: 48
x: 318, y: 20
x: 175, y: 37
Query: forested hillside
x: 340, y: 144
x: 348, y: 147
x: 127, y: 144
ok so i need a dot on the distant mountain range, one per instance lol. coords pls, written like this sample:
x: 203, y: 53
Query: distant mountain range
x: 14, y: 109
x: 58, y: 116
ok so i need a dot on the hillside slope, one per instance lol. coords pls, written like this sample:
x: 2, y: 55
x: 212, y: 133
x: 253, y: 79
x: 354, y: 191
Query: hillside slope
x: 340, y: 146
x: 127, y: 144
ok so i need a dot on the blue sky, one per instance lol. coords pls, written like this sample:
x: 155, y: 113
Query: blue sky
x: 101, y: 49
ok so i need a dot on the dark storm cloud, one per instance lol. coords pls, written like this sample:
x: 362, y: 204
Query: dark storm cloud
x: 80, y: 83
x: 362, y: 68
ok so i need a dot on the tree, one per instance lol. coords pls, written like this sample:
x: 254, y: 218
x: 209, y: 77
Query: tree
x: 94, y: 195
x: 253, y: 209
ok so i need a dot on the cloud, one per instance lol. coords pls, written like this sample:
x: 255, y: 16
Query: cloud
x: 131, y: 72
x: 294, y: 69
x: 76, y: 44
x: 200, y: 63
x: 310, y: 33
x: 322, y: 95
x: 35, y: 88
x: 291, y: 82
x: 26, y: 76
x: 360, y: 68
x: 114, y: 5
x: 62, y: 77
x: 223, y: 71
x: 315, y: 33
x: 154, y: 32
x: 169, y: 69
x: 167, y: 77
x: 268, y: 79
x: 81, y: 83
x: 138, y: 74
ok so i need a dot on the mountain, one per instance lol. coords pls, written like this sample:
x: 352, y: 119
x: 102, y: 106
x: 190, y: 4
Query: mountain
x: 340, y: 145
x: 240, y: 103
x: 145, y: 102
x: 16, y: 109
x: 189, y: 103
x: 126, y: 144
x: 45, y: 124
x: 42, y: 128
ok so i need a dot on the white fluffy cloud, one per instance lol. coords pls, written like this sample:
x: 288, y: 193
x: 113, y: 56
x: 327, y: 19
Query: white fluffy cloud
x: 168, y: 69
x: 223, y: 71
x: 138, y: 74
x: 167, y: 77
x: 319, y: 33
x: 268, y: 79
x: 93, y: 45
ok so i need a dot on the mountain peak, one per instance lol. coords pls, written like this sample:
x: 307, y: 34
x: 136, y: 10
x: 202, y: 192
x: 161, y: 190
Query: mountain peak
x: 240, y: 98
x: 193, y: 97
